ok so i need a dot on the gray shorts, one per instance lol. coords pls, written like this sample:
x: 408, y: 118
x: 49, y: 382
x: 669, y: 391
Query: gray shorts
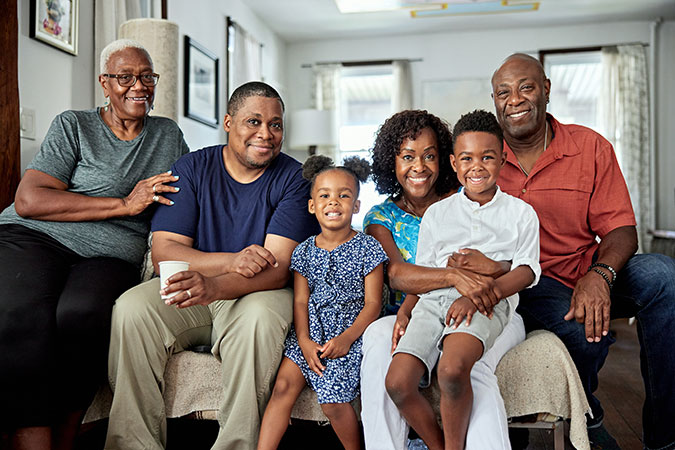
x: 424, y: 336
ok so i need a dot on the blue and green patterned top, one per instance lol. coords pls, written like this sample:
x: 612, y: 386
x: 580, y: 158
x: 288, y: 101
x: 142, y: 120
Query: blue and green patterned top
x: 404, y: 228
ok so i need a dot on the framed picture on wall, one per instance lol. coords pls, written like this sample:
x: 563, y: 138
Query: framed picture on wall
x: 201, y: 84
x: 55, y: 22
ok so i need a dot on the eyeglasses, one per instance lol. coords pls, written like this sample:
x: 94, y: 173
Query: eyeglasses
x: 128, y: 80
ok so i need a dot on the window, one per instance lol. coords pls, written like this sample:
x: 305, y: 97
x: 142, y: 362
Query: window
x: 365, y: 103
x: 575, y: 86
x: 244, y: 57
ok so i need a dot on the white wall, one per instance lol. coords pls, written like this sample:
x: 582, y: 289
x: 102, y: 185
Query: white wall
x: 477, y: 54
x: 205, y: 22
x: 665, y: 119
x: 52, y: 81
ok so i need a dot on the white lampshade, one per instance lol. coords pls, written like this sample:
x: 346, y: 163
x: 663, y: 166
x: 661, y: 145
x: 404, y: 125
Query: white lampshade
x: 310, y: 128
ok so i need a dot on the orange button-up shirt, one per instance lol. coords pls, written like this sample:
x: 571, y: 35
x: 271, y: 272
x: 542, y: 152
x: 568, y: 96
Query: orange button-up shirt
x: 578, y: 191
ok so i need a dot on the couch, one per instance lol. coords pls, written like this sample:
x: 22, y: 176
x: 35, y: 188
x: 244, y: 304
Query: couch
x: 537, y: 379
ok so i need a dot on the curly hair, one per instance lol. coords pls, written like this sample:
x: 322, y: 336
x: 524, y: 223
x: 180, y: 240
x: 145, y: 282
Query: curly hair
x: 357, y: 167
x: 408, y: 125
x: 478, y: 120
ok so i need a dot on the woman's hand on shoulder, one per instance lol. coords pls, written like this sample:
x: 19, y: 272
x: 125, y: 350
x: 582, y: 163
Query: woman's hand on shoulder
x: 149, y: 191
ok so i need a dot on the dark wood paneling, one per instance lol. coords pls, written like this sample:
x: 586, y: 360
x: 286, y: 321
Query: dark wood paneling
x: 10, y: 149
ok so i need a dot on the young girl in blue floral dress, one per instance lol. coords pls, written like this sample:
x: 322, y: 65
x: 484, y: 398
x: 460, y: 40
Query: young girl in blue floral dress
x: 338, y: 293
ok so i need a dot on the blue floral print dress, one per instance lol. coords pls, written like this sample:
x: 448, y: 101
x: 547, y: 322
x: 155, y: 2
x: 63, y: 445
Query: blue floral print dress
x: 337, y: 291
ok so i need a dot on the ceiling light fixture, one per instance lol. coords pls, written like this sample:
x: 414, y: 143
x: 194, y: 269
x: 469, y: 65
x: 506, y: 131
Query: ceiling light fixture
x: 477, y: 7
x: 363, y: 6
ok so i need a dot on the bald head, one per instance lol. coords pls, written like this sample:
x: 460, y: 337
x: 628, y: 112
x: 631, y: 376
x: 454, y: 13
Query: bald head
x: 525, y: 59
x: 520, y: 92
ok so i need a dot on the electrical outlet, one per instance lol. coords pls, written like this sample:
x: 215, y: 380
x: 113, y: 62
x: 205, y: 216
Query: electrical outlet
x: 27, y: 123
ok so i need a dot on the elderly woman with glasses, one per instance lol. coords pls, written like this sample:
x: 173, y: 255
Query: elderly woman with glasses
x: 72, y: 242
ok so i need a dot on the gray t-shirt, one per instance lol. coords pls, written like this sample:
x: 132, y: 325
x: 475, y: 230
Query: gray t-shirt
x: 81, y: 151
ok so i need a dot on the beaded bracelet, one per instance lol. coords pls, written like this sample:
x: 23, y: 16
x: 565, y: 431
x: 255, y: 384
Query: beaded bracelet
x: 604, y: 275
x: 606, y: 266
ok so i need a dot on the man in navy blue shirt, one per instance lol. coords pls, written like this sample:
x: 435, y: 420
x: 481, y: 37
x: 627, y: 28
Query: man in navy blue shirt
x: 239, y: 211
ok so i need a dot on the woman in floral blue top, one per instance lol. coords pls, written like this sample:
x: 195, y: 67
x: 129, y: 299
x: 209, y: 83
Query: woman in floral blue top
x: 411, y: 164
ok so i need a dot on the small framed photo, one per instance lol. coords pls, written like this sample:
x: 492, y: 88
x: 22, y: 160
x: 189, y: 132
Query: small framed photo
x: 55, y: 22
x: 201, y: 84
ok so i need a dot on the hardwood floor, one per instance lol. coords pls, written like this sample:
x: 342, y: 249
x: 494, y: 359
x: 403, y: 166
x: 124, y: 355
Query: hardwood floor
x: 620, y: 391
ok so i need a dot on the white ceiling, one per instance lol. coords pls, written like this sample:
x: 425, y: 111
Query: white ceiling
x: 303, y: 20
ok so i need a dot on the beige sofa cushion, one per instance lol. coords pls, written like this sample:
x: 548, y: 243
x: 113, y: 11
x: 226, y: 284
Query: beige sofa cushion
x: 536, y: 376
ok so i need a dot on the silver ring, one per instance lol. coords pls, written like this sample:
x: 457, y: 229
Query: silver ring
x: 154, y: 188
x: 155, y: 198
x: 188, y: 293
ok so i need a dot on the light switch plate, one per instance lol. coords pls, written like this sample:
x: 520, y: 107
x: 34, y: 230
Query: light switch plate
x: 27, y: 123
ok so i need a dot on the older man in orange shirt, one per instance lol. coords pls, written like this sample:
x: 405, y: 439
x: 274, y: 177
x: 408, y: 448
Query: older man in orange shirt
x: 571, y: 177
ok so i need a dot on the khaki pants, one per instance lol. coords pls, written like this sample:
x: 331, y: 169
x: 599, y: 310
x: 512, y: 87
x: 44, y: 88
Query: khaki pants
x: 247, y: 335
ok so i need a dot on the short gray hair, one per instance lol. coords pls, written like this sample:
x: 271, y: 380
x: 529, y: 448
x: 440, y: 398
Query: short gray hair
x: 118, y: 45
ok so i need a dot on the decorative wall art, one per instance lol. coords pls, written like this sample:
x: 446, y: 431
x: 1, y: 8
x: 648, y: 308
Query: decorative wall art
x: 201, y: 84
x: 55, y: 22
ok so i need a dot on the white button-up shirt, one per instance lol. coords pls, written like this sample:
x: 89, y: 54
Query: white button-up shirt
x: 504, y: 229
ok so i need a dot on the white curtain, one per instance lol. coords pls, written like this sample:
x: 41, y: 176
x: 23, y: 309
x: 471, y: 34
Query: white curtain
x: 624, y: 111
x: 246, y: 59
x: 326, y: 96
x: 402, y: 87
x: 108, y: 16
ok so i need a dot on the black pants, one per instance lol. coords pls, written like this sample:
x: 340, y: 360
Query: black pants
x: 55, y: 309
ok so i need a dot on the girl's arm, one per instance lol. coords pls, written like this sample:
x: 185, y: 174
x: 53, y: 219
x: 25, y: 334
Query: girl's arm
x: 339, y: 346
x: 301, y: 323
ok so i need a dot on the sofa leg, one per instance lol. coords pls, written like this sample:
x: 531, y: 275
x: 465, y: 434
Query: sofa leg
x: 559, y: 435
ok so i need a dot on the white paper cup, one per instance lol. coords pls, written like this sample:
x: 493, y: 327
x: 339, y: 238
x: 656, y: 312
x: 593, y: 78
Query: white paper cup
x: 166, y: 270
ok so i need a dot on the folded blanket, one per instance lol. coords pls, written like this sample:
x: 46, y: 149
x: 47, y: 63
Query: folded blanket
x: 539, y: 376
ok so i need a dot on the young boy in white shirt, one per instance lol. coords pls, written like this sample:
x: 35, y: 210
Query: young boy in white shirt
x: 444, y: 321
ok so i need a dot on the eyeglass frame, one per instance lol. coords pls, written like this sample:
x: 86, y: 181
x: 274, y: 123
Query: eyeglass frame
x: 136, y: 78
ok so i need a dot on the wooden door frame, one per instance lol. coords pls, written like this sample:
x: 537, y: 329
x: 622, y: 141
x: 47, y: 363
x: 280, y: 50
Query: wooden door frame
x: 10, y: 144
